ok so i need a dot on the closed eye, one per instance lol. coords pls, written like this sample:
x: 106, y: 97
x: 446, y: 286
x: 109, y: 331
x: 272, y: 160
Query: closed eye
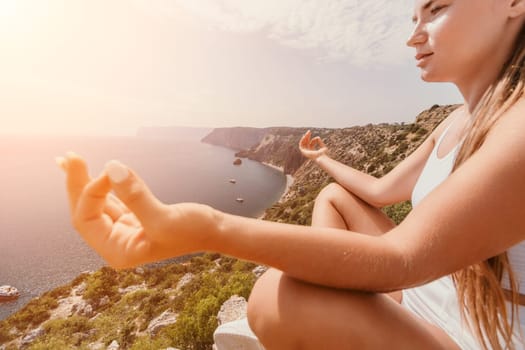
x: 436, y: 9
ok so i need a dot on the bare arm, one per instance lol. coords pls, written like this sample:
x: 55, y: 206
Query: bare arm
x: 394, y: 187
x: 474, y: 214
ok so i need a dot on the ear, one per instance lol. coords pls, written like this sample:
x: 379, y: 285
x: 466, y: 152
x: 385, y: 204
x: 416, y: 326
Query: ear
x: 517, y: 8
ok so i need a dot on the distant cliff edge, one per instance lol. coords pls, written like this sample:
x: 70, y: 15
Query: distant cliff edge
x: 237, y: 138
x: 370, y: 148
x: 275, y: 145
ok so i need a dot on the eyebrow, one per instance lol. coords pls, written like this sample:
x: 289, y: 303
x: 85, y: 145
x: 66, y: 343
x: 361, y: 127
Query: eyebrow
x: 426, y: 6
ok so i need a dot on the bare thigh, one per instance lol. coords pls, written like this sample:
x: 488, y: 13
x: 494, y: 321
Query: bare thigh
x: 289, y: 314
x: 318, y: 317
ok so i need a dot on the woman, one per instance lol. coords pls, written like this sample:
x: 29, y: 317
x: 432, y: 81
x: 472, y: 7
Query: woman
x: 335, y: 289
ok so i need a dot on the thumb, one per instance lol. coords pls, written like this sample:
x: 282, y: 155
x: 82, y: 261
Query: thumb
x: 133, y: 192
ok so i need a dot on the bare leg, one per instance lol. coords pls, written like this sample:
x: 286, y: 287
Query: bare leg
x: 289, y: 314
x: 336, y: 207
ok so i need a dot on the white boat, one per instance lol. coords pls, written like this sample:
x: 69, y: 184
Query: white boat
x: 239, y: 199
x: 232, y: 181
x: 8, y: 293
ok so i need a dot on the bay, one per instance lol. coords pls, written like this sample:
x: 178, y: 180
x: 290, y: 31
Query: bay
x: 39, y: 249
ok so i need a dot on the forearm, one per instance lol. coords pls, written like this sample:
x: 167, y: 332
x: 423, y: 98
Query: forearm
x: 362, y: 185
x: 324, y: 256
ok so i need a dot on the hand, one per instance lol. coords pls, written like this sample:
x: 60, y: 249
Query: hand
x: 133, y: 227
x: 312, y: 148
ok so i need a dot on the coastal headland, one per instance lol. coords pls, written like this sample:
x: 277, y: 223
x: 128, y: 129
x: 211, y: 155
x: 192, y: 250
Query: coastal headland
x: 175, y: 304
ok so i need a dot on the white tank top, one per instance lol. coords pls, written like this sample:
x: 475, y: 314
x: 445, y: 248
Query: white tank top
x: 435, y: 171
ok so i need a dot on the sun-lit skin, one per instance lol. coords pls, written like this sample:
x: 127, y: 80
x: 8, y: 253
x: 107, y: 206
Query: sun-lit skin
x: 463, y: 52
x: 373, y: 256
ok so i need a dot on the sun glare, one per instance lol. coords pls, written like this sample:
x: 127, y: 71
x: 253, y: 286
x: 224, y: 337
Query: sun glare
x: 8, y: 9
x: 9, y: 17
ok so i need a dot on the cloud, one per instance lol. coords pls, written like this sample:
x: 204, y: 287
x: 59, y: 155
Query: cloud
x: 364, y: 33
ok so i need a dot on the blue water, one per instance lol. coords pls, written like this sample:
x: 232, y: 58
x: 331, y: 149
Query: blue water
x: 39, y: 249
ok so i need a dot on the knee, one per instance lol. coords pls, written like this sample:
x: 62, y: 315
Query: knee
x: 331, y: 193
x: 264, y: 317
x: 328, y: 192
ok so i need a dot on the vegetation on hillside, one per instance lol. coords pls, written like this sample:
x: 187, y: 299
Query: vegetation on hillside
x: 121, y: 305
x: 125, y: 316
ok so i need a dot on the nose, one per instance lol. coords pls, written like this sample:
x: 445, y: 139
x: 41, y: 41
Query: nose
x: 418, y: 36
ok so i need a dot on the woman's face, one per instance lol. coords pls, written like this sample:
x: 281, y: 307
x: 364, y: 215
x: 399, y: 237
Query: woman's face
x: 455, y: 39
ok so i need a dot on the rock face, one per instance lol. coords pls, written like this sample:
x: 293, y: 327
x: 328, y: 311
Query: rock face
x: 359, y: 145
x: 113, y: 346
x: 165, y: 319
x: 235, y: 138
x: 279, y: 148
x: 232, y: 309
x: 31, y: 336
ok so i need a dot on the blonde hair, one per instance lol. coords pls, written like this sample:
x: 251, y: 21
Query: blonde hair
x: 479, y: 286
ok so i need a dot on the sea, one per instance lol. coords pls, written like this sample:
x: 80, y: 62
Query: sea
x: 40, y: 250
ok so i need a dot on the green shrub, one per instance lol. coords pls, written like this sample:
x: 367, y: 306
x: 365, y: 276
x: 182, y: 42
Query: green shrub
x: 397, y: 212
x: 64, y: 328
x: 50, y: 344
x: 148, y: 343
x: 4, y: 334
x: 100, y: 284
x: 59, y: 292
x: 203, y: 298
x: 128, y: 278
x: 34, y: 313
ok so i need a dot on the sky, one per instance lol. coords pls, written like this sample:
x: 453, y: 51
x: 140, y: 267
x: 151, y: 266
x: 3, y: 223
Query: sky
x: 111, y: 66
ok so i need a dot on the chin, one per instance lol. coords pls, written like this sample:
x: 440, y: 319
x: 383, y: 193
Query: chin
x: 430, y: 77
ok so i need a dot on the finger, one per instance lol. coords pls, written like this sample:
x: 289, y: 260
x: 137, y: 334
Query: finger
x: 92, y: 201
x: 113, y: 210
x: 118, y: 203
x: 312, y: 143
x: 305, y: 140
x: 316, y: 141
x: 77, y: 178
x: 133, y: 192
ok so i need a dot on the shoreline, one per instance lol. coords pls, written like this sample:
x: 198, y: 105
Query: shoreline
x: 289, y: 178
x: 289, y: 182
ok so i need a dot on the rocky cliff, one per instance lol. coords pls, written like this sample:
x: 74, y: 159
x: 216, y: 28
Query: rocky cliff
x: 374, y: 149
x: 237, y: 138
x: 375, y: 146
x: 177, y: 304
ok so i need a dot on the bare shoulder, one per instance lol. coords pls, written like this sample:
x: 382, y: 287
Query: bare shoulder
x: 477, y: 212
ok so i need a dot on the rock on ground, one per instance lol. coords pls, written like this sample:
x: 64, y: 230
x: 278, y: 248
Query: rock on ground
x: 165, y: 319
x: 113, y: 346
x: 232, y: 309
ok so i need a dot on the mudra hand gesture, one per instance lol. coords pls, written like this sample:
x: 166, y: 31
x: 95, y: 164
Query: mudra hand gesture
x: 312, y: 148
x: 133, y: 227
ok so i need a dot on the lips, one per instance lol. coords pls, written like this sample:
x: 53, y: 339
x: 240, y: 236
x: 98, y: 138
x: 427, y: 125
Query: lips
x: 420, y: 56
